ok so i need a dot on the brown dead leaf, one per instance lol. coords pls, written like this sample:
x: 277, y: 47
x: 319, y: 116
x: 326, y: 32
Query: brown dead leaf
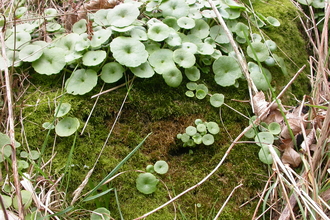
x: 290, y: 156
x: 286, y: 143
x: 306, y: 144
x: 295, y: 120
x: 260, y: 104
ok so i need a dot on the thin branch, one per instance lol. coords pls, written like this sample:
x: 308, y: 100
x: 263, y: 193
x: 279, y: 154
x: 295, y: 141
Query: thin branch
x: 11, y: 127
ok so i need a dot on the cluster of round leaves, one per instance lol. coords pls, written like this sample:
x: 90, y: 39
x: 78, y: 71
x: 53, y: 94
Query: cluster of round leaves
x: 201, y: 133
x: 180, y: 37
x: 65, y: 126
x: 147, y: 182
x: 264, y: 136
x: 201, y: 91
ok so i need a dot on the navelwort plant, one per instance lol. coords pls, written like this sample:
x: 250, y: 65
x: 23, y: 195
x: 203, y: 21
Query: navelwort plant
x: 201, y: 133
x: 264, y: 136
x: 173, y: 38
x: 147, y: 182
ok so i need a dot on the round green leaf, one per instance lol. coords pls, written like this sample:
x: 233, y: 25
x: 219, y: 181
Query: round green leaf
x: 7, y: 201
x: 173, y: 39
x: 270, y: 61
x: 30, y: 53
x: 201, y: 128
x: 197, y: 138
x: 101, y: 17
x: 265, y: 156
x: 162, y: 60
x: 242, y: 30
x: 217, y: 100
x: 218, y: 34
x: 191, y: 130
x: 171, y: 22
x: 213, y: 127
x: 185, y: 137
x: 34, y: 155
x: 100, y: 37
x: 201, y: 91
x: 208, y: 139
x: 22, y: 164
x: 143, y: 71
x: 264, y: 139
x: 13, y: 58
x: 52, y: 61
x: 205, y: 49
x: 112, y: 72
x: 19, y: 12
x: 190, y: 47
x: 158, y: 32
x: 226, y: 70
x: 93, y: 58
x: 190, y: 94
x: 186, y: 23
x: 260, y: 51
x: 172, y: 77
x: 53, y: 27
x: 123, y: 14
x: 201, y: 29
x: 318, y: 3
x: 259, y: 79
x: 271, y: 45
x: 50, y: 13
x: 62, y: 109
x: 192, y: 73
x: 274, y: 128
x: 191, y: 85
x: 198, y: 121
x: 5, y: 143
x: 174, y: 8
x: 48, y: 125
x: 100, y: 214
x: 150, y: 168
x: 128, y: 51
x: 20, y: 39
x: 67, y: 126
x: 250, y: 133
x: 146, y: 183
x: 139, y: 33
x: 273, y: 21
x: 81, y: 81
x: 161, y: 167
x: 80, y: 26
x: 184, y: 58
x: 26, y: 199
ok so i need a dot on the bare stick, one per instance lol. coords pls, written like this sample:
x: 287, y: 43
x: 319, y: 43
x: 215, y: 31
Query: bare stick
x: 224, y: 204
x: 11, y: 127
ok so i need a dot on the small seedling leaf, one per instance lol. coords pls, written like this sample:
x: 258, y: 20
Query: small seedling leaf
x: 146, y: 183
x: 62, y: 109
x: 67, y: 126
x: 217, y: 100
x: 161, y: 167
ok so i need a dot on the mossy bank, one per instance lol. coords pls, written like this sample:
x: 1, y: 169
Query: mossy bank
x: 153, y: 107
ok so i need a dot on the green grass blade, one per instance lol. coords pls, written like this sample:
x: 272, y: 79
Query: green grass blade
x: 117, y: 167
x: 97, y: 195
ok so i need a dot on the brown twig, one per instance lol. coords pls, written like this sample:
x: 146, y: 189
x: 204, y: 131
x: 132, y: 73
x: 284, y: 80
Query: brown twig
x: 11, y: 127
